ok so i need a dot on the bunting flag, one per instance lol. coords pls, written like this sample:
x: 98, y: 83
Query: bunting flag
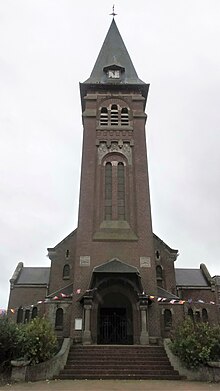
x: 159, y: 299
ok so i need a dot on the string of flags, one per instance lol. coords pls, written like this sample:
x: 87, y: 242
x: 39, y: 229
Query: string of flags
x: 178, y: 301
x: 62, y: 295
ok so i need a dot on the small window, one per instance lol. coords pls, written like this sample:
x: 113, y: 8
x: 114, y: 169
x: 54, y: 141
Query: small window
x: 204, y: 315
x: 67, y: 253
x: 34, y: 313
x: 66, y: 271
x: 157, y: 254
x: 167, y: 319
x: 59, y: 319
x: 20, y: 315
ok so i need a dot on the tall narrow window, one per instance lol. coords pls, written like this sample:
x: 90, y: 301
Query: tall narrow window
x: 124, y: 116
x: 27, y: 316
x: 190, y: 313
x: 204, y: 315
x: 108, y: 191
x: 104, y: 116
x: 59, y: 318
x: 114, y: 115
x: 159, y: 274
x: 66, y: 271
x: 20, y: 315
x: 34, y: 313
x: 121, y: 192
x: 167, y: 319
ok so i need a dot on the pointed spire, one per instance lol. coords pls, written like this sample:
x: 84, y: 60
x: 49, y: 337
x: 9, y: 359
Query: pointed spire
x: 113, y: 55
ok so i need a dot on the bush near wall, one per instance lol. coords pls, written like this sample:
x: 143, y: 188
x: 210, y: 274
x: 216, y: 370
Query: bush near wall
x: 10, y: 342
x: 34, y: 341
x: 196, y: 343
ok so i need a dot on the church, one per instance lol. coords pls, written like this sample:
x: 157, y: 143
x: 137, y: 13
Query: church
x: 112, y: 280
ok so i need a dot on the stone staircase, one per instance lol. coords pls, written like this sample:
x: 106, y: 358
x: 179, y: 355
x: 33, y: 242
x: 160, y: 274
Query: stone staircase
x: 118, y: 362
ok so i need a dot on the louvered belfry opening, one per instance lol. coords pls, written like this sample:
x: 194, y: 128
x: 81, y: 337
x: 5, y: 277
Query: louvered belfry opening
x: 104, y: 116
x: 114, y: 115
x: 124, y: 117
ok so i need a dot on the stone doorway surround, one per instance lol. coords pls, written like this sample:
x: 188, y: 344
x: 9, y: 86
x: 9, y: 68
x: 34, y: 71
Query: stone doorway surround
x: 115, y: 284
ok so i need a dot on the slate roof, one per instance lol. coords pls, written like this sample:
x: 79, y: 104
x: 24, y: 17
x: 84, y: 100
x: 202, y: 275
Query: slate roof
x: 115, y: 266
x: 190, y: 277
x: 113, y: 53
x: 163, y: 293
x: 34, y: 275
x: 66, y: 290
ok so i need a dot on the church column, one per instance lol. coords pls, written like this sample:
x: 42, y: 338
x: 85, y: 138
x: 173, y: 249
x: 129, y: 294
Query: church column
x: 87, y: 340
x: 144, y: 337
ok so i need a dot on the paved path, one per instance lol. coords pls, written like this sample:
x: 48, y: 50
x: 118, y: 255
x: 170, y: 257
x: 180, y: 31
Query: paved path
x: 113, y: 385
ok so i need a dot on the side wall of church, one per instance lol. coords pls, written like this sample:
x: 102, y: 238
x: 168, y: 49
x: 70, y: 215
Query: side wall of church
x: 164, y: 258
x: 61, y: 255
x: 24, y: 296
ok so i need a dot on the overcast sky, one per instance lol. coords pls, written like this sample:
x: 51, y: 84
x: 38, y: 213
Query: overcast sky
x: 46, y: 48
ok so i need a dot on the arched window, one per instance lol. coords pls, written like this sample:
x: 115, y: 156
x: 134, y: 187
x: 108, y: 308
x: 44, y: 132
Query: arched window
x: 204, y: 315
x: 167, y: 319
x: 190, y: 313
x: 104, y: 116
x: 121, y: 191
x: 20, y: 315
x: 124, y: 117
x: 159, y: 271
x: 114, y: 115
x: 159, y: 275
x: 59, y: 318
x: 197, y: 316
x: 108, y: 191
x: 34, y: 313
x: 27, y: 316
x: 157, y: 253
x: 66, y: 271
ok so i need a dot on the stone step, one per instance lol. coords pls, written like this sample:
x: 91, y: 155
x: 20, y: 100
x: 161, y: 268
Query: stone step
x: 120, y: 377
x: 85, y: 363
x: 116, y: 362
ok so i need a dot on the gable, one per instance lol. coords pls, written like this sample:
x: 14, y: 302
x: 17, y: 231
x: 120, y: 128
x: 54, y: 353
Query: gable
x: 115, y: 266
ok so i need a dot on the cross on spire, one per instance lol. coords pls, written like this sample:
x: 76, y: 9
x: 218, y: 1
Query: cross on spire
x: 113, y: 11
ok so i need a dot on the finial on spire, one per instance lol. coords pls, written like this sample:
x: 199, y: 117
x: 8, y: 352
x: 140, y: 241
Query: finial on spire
x: 113, y: 11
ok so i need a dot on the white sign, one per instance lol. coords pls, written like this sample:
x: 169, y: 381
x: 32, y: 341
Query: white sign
x: 84, y: 260
x: 78, y: 324
x: 145, y: 262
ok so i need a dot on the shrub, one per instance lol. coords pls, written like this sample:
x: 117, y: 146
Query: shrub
x: 196, y: 343
x: 39, y: 340
x: 10, y: 342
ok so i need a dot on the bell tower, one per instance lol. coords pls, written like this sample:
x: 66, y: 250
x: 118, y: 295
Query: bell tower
x: 114, y: 225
